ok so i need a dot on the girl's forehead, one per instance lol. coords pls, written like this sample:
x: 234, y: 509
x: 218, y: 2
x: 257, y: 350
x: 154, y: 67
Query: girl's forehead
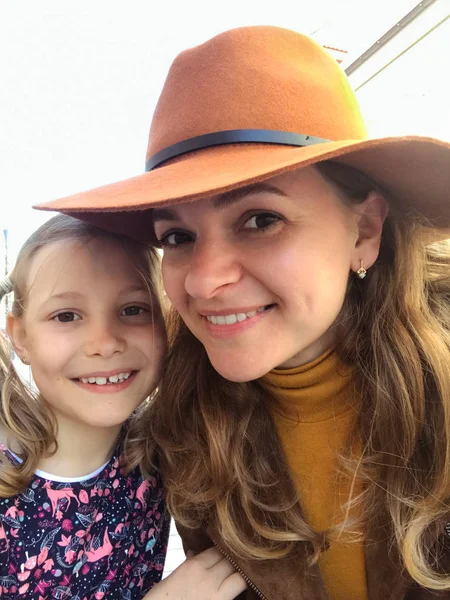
x: 76, y: 261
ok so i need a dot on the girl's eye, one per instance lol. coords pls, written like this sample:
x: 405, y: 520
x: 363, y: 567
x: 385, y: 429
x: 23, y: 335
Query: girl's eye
x: 172, y: 239
x: 132, y: 311
x: 261, y: 220
x: 66, y: 317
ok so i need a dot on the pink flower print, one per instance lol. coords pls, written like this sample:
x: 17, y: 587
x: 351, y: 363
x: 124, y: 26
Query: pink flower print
x: 119, y: 527
x: 37, y: 574
x: 84, y: 497
x: 141, y: 493
x: 24, y: 588
x: 115, y: 484
x: 43, y: 555
x: 65, y: 541
x: 112, y: 474
x: 59, y: 515
x: 48, y: 565
x: 85, y: 569
x: 40, y: 586
x: 67, y: 524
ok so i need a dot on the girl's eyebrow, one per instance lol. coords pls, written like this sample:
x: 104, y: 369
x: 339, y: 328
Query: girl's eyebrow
x: 225, y: 199
x: 77, y: 295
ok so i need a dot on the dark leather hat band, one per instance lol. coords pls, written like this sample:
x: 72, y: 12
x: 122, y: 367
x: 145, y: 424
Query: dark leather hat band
x: 233, y: 136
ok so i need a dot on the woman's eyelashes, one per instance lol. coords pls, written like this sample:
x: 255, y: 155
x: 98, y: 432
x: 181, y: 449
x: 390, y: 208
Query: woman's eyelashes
x: 174, y: 239
x: 259, y: 221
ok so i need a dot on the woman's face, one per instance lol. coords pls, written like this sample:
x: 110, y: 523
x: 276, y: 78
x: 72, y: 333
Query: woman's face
x: 259, y: 274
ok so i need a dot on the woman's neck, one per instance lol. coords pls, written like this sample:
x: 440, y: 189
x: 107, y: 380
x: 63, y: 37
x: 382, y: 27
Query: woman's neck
x: 81, y: 449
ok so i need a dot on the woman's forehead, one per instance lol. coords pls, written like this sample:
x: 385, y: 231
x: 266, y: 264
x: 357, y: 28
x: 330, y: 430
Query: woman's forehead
x: 282, y: 185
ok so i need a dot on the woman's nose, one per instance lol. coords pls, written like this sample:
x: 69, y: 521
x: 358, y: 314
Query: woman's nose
x: 212, y: 267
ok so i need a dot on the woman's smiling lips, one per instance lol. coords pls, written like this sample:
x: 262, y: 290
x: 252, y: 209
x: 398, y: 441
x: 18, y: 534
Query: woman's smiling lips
x: 223, y: 323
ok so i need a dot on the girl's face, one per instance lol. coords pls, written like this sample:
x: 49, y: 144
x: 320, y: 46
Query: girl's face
x: 93, y: 335
x: 259, y: 275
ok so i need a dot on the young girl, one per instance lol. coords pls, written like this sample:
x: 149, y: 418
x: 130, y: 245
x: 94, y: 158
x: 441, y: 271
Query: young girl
x: 303, y: 421
x: 75, y: 520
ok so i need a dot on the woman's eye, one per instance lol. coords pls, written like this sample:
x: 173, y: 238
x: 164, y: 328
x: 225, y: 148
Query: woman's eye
x: 172, y: 239
x: 132, y: 311
x: 261, y: 221
x: 66, y: 317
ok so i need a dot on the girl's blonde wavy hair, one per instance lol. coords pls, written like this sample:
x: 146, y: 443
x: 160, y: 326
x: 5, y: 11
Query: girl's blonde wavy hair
x: 217, y: 446
x: 24, y: 414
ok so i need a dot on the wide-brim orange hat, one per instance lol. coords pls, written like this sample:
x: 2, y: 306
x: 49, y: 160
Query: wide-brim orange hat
x: 249, y: 104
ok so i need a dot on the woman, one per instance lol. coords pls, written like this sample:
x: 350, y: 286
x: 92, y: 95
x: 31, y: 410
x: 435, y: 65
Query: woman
x: 303, y: 422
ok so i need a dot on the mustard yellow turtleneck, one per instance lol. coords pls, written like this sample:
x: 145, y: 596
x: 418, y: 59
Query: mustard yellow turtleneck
x: 319, y: 408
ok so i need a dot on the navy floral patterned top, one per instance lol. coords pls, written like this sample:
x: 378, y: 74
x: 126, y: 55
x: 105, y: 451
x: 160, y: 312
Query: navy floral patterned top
x: 104, y: 536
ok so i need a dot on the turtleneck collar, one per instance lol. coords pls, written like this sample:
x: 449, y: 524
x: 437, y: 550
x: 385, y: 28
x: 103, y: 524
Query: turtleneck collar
x: 317, y: 391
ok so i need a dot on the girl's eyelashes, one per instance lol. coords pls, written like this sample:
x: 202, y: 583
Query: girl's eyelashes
x: 69, y: 316
x: 133, y: 311
x: 66, y: 317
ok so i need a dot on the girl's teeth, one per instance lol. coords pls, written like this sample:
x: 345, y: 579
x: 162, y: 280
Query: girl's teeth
x: 234, y: 318
x: 118, y: 378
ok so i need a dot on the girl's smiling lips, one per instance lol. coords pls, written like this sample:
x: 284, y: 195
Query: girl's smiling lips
x: 99, y: 384
x: 104, y: 373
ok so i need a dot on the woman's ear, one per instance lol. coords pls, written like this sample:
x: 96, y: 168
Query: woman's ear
x: 371, y: 215
x: 16, y: 333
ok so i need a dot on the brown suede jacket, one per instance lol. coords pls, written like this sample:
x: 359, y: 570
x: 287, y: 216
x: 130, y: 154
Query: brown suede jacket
x: 290, y: 579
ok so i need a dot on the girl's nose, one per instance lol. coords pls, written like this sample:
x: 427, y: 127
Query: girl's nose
x: 104, y: 340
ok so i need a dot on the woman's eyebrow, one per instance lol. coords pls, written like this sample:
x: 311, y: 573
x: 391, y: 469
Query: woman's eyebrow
x: 234, y: 196
x: 225, y: 199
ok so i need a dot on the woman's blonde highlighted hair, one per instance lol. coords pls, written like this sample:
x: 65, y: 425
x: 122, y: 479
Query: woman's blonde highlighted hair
x: 24, y: 414
x: 217, y: 446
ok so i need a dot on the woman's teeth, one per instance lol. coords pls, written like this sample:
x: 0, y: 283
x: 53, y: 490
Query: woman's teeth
x: 117, y: 378
x: 234, y: 318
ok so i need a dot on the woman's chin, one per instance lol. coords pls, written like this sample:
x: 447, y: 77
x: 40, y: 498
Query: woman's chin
x: 240, y: 370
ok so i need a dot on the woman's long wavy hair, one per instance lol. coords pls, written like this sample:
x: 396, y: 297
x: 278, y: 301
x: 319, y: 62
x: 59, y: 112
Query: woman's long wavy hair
x: 218, y: 449
x: 25, y: 417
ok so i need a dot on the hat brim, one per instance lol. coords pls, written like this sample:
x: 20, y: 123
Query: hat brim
x: 413, y: 170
